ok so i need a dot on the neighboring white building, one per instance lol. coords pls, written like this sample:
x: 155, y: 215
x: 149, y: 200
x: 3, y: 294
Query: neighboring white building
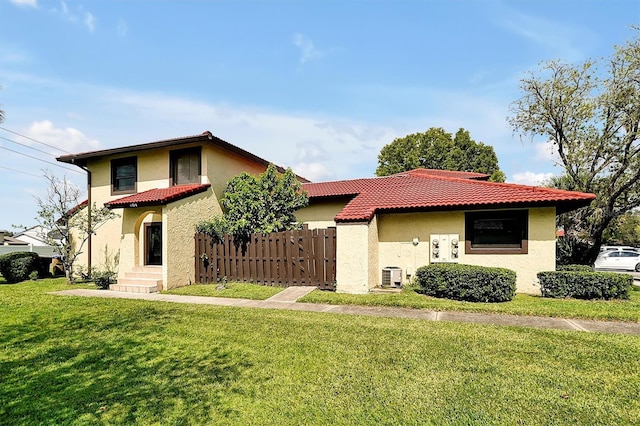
x: 36, y: 236
x: 31, y: 239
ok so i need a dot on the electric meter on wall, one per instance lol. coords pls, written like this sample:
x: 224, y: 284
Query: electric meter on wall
x: 444, y: 248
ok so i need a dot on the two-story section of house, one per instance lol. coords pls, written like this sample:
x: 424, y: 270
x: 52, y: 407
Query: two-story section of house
x: 159, y: 191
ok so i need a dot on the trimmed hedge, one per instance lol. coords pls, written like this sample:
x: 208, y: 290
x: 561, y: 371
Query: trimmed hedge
x: 17, y: 266
x: 585, y: 285
x: 575, y: 268
x: 467, y: 282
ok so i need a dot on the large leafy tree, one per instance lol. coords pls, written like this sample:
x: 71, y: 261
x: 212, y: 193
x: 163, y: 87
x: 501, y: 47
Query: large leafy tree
x: 264, y: 203
x: 438, y: 149
x: 592, y: 119
x: 63, y: 213
x: 624, y: 231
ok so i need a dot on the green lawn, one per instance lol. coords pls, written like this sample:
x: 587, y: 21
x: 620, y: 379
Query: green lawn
x: 78, y: 360
x: 522, y: 304
x: 237, y: 290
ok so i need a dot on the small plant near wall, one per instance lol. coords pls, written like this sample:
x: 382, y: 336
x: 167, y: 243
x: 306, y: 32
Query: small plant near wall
x: 106, y: 275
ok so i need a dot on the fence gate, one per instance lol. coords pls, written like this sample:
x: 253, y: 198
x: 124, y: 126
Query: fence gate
x: 290, y: 258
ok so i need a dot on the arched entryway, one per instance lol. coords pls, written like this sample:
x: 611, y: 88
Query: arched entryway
x: 148, y: 241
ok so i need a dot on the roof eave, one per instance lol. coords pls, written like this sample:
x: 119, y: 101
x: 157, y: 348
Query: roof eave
x: 82, y: 159
x: 561, y: 207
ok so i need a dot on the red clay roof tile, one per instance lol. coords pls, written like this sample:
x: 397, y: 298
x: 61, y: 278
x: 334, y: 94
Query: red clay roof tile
x: 158, y: 196
x: 422, y: 190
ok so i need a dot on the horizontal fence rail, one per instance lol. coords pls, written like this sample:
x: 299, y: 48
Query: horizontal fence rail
x: 289, y: 258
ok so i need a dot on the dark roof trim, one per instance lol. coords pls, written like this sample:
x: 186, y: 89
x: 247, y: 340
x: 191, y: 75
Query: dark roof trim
x: 81, y: 159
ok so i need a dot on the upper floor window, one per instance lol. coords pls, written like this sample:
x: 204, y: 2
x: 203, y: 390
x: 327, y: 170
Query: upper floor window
x: 124, y: 173
x: 185, y: 166
x: 497, y: 232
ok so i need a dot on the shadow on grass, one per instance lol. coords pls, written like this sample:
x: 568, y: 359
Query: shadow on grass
x: 120, y: 370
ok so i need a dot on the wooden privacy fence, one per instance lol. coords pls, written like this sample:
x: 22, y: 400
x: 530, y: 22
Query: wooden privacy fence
x: 290, y: 258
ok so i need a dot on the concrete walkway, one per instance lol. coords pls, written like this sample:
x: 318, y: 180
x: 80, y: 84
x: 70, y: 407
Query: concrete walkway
x: 286, y: 299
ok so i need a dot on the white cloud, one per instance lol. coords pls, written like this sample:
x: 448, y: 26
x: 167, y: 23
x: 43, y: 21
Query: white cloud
x: 31, y: 3
x: 315, y: 147
x: 78, y: 16
x: 68, y: 139
x: 315, y: 172
x: 308, y: 51
x: 531, y: 178
x: 565, y: 41
x: 89, y: 21
x: 121, y: 28
x: 547, y: 151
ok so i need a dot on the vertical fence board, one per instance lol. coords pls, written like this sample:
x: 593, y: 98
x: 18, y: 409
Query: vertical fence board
x: 299, y: 257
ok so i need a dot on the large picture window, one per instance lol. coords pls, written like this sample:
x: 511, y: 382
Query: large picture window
x: 185, y: 166
x: 124, y: 174
x: 497, y: 232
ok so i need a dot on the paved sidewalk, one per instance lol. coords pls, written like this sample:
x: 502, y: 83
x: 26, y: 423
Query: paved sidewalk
x: 287, y: 300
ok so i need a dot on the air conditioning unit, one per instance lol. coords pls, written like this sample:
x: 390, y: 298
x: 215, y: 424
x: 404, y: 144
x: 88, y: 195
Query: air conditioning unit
x: 392, y: 276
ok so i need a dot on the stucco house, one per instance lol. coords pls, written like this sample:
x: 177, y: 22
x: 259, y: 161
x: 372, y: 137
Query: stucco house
x: 401, y: 222
x: 160, y: 190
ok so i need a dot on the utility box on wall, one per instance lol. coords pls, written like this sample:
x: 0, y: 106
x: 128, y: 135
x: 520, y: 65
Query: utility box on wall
x: 444, y: 248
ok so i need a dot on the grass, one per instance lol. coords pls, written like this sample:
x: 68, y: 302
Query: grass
x: 522, y: 304
x: 75, y: 360
x: 235, y: 290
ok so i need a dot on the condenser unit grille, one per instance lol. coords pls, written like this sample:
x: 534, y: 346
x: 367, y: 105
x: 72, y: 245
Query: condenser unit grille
x: 391, y: 276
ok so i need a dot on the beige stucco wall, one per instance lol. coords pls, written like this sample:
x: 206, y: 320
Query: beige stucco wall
x: 107, y: 235
x: 396, y: 232
x: 356, y: 257
x: 179, y: 219
x: 320, y: 215
x: 219, y: 166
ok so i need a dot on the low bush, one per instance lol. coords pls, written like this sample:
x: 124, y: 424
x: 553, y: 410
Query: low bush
x: 585, y: 285
x: 103, y: 279
x: 18, y: 266
x: 575, y: 268
x: 467, y: 282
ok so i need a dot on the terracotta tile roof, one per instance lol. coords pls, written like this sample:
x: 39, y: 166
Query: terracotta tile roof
x: 420, y: 190
x: 447, y: 173
x: 159, y: 196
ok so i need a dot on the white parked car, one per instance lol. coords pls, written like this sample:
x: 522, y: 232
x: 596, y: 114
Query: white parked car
x: 609, y: 248
x: 619, y: 259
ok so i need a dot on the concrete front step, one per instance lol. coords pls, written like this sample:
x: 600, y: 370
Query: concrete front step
x: 148, y: 269
x: 134, y: 288
x: 142, y: 279
x: 144, y: 275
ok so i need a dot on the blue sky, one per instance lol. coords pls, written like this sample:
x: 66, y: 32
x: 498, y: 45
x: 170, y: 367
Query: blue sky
x: 319, y: 86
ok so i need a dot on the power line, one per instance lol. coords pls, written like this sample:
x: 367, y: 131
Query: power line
x: 34, y: 140
x: 19, y: 171
x: 25, y: 145
x: 39, y: 159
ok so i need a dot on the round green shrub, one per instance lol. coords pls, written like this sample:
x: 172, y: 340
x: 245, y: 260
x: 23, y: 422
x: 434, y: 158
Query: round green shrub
x: 17, y: 266
x: 467, y: 282
x: 585, y: 285
x: 574, y: 268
